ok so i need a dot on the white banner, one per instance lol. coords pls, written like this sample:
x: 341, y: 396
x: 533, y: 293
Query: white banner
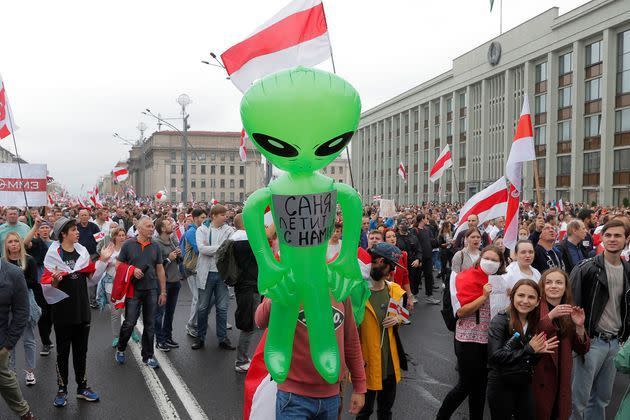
x: 34, y: 183
x: 387, y: 208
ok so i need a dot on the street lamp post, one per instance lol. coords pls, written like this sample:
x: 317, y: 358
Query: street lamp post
x: 184, y: 100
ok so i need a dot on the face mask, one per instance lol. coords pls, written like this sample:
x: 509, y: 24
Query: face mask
x: 489, y: 267
x: 523, y: 237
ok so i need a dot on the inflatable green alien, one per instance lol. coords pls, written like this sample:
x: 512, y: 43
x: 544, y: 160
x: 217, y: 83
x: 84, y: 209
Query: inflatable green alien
x: 300, y: 120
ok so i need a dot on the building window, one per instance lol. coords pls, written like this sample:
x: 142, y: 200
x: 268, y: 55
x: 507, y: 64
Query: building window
x: 193, y: 183
x: 564, y: 165
x: 213, y: 169
x: 621, y: 196
x: 332, y: 169
x: 622, y: 120
x: 241, y: 170
x: 193, y: 155
x: 232, y: 183
x: 203, y: 196
x: 564, y: 131
x: 623, y: 63
x: 622, y: 160
x: 231, y: 169
x: 592, y: 125
x: 593, y: 53
x: 540, y: 104
x: 173, y: 183
x: 540, y: 135
x: 203, y: 169
x: 222, y: 157
x: 193, y: 169
x: 222, y: 196
x: 173, y: 169
x: 591, y: 163
x: 202, y: 155
x: 541, y: 72
x: 241, y: 197
x: 203, y: 182
x: 173, y: 155
x: 590, y: 196
x: 462, y: 150
x: 222, y: 170
x: 213, y: 156
x: 182, y: 169
x: 222, y: 183
x: 564, y: 97
x: 173, y: 196
x: 462, y: 100
x: 593, y: 89
x: 436, y: 109
x: 213, y: 183
x: 232, y: 196
x: 232, y: 156
x: 449, y: 105
x: 462, y: 125
x: 449, y: 129
x: 341, y: 169
x: 241, y: 183
x: 565, y: 63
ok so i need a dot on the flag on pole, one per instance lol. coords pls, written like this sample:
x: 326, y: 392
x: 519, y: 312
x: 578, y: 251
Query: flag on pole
x: 242, y: 149
x: 392, y: 308
x: 6, y: 117
x: 522, y: 151
x: 442, y: 163
x: 120, y: 174
x: 296, y: 35
x: 402, y: 172
x: 487, y: 204
x: 491, y: 4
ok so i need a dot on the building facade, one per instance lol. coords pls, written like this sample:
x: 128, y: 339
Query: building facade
x: 215, y: 170
x: 575, y: 69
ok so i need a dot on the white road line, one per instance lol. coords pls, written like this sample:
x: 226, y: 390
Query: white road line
x: 164, y: 405
x: 181, y: 389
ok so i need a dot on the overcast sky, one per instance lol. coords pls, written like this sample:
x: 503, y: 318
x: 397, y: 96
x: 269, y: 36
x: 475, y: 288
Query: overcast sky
x: 78, y: 71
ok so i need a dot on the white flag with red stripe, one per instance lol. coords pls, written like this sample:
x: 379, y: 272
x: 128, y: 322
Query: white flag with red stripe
x: 442, y: 163
x: 402, y: 172
x: 487, y: 204
x: 296, y: 35
x: 120, y: 174
x: 242, y: 148
x: 6, y: 117
x: 522, y: 151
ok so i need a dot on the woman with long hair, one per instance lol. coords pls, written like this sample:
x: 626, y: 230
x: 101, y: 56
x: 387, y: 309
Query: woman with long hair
x: 558, y: 318
x: 520, y: 268
x: 471, y: 300
x: 466, y: 257
x: 400, y: 275
x: 445, y: 241
x: 15, y: 253
x: 514, y: 346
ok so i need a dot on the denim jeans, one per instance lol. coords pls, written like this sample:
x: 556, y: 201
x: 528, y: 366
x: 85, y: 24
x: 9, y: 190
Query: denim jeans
x: 215, y: 293
x: 291, y: 406
x: 164, y: 314
x: 593, y: 379
x: 145, y: 300
x: 437, y: 263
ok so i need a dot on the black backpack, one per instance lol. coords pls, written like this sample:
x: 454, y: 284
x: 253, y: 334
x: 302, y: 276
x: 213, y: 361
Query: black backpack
x: 226, y: 263
x: 450, y: 320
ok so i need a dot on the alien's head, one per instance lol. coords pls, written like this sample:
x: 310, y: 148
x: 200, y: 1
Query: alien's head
x: 301, y: 119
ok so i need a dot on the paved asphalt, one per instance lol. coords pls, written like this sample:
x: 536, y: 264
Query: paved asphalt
x: 204, y: 381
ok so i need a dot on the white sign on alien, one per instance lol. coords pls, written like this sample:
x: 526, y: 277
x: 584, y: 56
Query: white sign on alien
x: 304, y: 220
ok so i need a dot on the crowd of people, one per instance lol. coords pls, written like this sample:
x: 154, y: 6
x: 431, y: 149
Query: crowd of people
x: 537, y: 330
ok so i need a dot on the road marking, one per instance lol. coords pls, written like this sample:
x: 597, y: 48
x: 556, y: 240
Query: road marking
x: 160, y: 396
x: 181, y: 389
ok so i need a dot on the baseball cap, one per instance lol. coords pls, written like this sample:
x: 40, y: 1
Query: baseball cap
x: 59, y: 225
x: 387, y: 251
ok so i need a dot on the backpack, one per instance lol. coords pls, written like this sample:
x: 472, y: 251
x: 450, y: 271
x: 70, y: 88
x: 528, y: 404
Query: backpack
x: 226, y: 263
x: 190, y: 260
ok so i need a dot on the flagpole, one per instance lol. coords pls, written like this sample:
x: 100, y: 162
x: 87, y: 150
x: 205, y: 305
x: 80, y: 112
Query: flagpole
x: 17, y: 155
x: 456, y: 184
x: 332, y: 59
x: 501, y: 17
x: 537, y: 182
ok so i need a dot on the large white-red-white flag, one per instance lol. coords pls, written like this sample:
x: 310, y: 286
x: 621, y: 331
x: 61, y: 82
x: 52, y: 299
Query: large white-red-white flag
x: 402, y: 172
x: 487, y: 204
x: 242, y: 148
x: 522, y: 151
x: 7, y: 123
x: 442, y: 163
x: 296, y: 35
x: 120, y: 174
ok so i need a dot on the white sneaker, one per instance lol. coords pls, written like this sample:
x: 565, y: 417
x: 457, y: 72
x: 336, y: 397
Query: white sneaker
x: 229, y: 326
x: 242, y: 368
x: 30, y: 378
x: 414, y: 300
x: 432, y: 300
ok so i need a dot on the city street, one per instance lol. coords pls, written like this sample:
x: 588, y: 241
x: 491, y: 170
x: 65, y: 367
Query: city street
x: 203, y: 384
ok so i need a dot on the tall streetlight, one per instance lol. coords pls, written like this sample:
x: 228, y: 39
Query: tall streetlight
x: 184, y: 100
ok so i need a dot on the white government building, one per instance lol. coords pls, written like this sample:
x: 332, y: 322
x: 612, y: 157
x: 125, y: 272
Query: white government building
x: 575, y: 68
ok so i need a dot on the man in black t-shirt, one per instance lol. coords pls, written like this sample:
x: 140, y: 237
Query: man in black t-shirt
x: 149, y: 276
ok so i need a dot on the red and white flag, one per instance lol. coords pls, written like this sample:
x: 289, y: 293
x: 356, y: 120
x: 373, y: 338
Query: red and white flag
x: 50, y: 201
x: 6, y: 117
x: 442, y: 163
x: 99, y: 236
x: 95, y: 197
x: 522, y: 151
x: 53, y: 263
x: 376, y: 197
x: 242, y: 149
x: 402, y: 172
x: 120, y: 174
x: 487, y: 204
x: 560, y: 205
x: 296, y: 35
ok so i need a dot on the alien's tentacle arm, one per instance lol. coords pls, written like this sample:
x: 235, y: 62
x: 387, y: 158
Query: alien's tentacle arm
x: 270, y: 270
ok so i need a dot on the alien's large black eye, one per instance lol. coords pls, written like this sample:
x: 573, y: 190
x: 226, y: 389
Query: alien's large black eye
x: 334, y: 145
x: 275, y: 146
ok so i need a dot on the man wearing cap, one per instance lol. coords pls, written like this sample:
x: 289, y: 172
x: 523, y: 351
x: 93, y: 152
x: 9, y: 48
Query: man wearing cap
x: 380, y: 344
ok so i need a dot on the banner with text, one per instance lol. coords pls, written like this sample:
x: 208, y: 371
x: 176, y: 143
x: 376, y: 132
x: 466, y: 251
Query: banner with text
x: 33, y: 182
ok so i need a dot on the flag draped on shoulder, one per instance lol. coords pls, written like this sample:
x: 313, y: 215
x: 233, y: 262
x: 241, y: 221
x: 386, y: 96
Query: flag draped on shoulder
x: 6, y: 117
x: 442, y: 163
x: 296, y: 35
x: 487, y: 204
x: 522, y: 151
x: 53, y: 262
